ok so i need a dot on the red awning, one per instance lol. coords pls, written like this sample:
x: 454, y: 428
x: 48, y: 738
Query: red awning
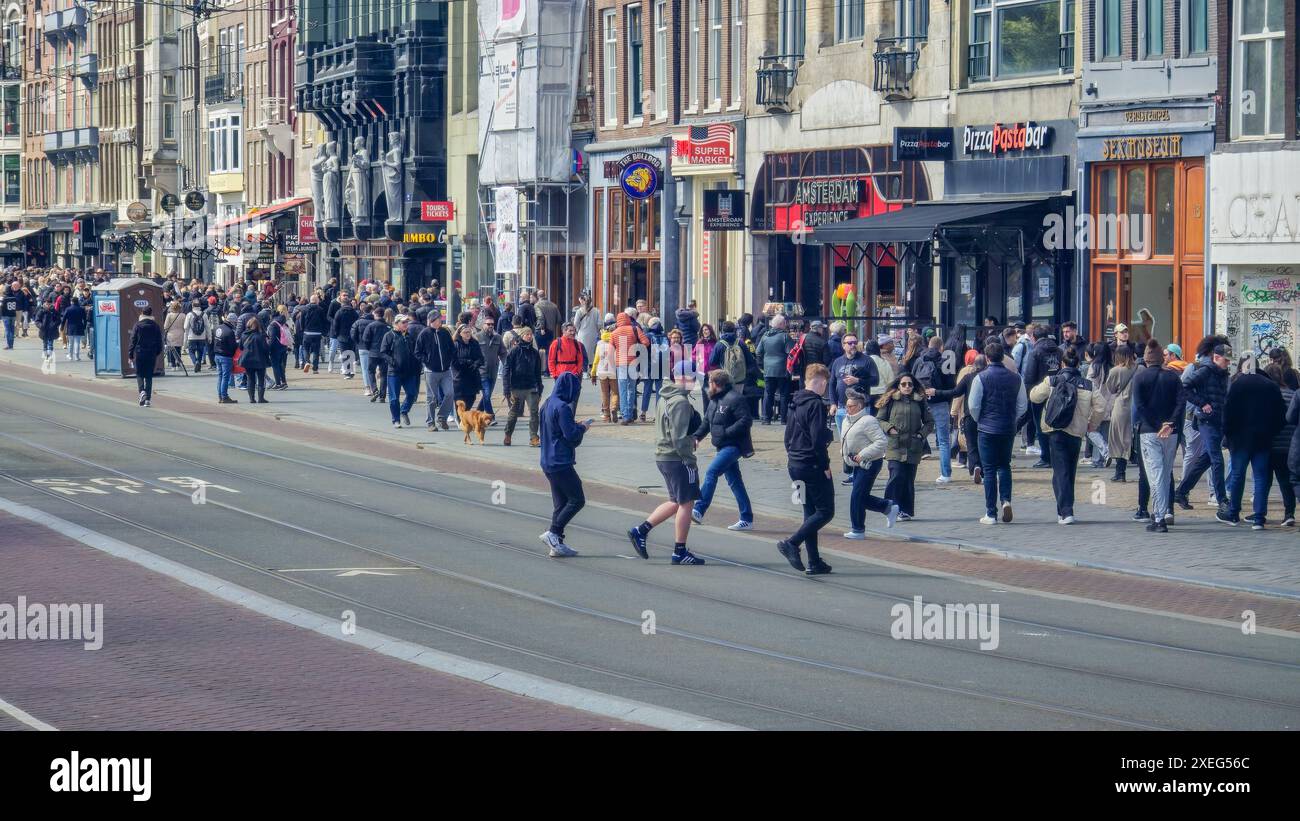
x: 262, y: 213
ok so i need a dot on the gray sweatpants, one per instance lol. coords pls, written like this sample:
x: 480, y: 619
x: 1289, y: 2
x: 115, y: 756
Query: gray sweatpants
x: 441, y: 392
x: 1158, y: 458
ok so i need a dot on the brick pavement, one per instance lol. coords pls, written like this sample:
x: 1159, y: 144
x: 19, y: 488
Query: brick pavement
x: 175, y: 658
x: 614, y: 463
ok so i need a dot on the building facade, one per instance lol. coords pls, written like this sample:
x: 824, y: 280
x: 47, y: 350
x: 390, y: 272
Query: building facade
x: 13, y: 235
x: 1254, y: 233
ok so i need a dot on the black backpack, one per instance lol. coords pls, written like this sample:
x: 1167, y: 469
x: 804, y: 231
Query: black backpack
x: 1058, y: 412
x: 197, y: 326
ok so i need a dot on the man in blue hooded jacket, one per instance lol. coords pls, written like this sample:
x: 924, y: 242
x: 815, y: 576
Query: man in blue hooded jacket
x: 561, y: 434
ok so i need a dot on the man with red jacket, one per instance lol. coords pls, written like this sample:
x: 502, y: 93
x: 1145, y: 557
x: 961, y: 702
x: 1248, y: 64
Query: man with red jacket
x: 568, y: 355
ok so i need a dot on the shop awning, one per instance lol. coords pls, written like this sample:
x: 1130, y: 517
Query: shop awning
x: 915, y: 223
x: 20, y: 233
x: 262, y: 213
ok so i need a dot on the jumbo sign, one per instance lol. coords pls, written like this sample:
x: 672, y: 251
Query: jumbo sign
x: 1000, y: 139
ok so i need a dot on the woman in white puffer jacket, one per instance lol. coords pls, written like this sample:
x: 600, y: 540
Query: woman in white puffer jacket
x: 862, y: 444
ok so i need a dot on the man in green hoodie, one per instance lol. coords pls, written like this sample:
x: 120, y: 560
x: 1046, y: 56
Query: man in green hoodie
x: 675, y: 456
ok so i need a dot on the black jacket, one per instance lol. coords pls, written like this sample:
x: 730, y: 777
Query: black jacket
x: 146, y: 341
x: 1293, y: 418
x: 1253, y: 413
x: 224, y: 340
x: 728, y: 422
x: 372, y: 338
x: 1043, y: 358
x: 399, y: 350
x: 931, y: 372
x: 47, y: 323
x: 807, y: 437
x: 435, y: 348
x: 341, y: 326
x: 314, y: 320
x: 74, y: 318
x: 816, y: 351
x: 1208, y: 385
x: 358, y: 331
x: 523, y: 370
x: 466, y: 365
x: 1157, y: 398
x: 257, y: 351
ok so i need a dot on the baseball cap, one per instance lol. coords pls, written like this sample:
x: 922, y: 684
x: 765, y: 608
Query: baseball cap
x: 1121, y: 328
x: 1175, y: 349
x: 1222, y: 350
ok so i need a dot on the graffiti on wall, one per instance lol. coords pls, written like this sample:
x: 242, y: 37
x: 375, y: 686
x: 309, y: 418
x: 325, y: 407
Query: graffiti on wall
x: 1271, y: 328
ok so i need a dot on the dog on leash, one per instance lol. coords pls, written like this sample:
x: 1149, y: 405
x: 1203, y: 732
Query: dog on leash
x: 472, y: 421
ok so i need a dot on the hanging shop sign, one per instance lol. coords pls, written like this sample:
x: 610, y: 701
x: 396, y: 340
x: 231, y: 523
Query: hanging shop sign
x: 437, y: 211
x: 505, y: 68
x: 195, y: 201
x: 1169, y: 146
x: 704, y: 146
x: 724, y: 210
x: 505, y: 231
x: 137, y: 212
x: 307, y: 230
x: 998, y: 139
x: 639, y: 175
x: 923, y: 144
x: 169, y: 203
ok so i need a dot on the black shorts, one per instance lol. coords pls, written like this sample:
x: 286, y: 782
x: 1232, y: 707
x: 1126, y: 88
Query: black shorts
x: 682, y: 480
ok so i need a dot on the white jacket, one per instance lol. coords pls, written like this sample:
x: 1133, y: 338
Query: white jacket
x: 861, y: 435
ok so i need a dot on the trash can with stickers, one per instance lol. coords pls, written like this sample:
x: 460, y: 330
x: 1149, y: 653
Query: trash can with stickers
x: 118, y: 306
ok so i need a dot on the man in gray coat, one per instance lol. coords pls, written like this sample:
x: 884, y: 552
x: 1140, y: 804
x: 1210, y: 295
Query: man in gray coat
x: 494, y: 353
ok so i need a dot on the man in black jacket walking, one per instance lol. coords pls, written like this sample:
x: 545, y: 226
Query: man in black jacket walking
x: 727, y: 422
x: 398, y: 350
x: 437, y: 350
x: 1157, y: 415
x: 1252, y: 416
x: 341, y: 332
x: 146, y: 347
x: 314, y: 324
x: 1043, y: 358
x: 807, y: 443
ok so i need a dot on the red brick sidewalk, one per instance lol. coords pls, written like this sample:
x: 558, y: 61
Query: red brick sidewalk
x: 175, y: 658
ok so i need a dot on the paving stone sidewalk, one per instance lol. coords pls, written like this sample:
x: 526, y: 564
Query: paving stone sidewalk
x: 1197, y: 549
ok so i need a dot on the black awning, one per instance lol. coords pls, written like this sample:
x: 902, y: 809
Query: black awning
x: 913, y: 223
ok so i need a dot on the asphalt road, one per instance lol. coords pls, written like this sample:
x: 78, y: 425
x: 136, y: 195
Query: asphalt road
x: 445, y: 562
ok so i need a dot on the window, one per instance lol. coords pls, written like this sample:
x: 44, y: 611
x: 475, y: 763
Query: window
x: 1258, y: 76
x: 13, y: 180
x: 169, y: 122
x: 224, y: 139
x: 849, y: 17
x: 661, y: 59
x: 693, y: 58
x: 1017, y: 38
x: 1153, y: 28
x: 737, y: 49
x: 11, y: 111
x: 911, y: 18
x: 169, y: 85
x: 715, y: 53
x: 791, y: 15
x: 1198, y: 26
x: 634, y: 68
x: 610, y: 26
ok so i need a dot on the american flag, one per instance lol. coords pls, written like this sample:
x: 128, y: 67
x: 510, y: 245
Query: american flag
x: 710, y: 134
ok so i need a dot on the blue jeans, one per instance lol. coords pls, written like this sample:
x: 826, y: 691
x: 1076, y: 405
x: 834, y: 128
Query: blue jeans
x: 74, y: 346
x: 224, y: 366
x: 334, y: 349
x: 47, y: 345
x: 488, y: 386
x: 725, y: 463
x: 396, y: 384
x: 651, y: 388
x: 1210, y: 455
x: 626, y: 393
x: 860, y: 498
x: 995, y: 460
x: 1262, y: 470
x: 369, y: 378
x: 9, y: 331
x: 942, y: 412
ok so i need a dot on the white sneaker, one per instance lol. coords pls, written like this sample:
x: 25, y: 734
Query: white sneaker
x: 697, y: 516
x: 891, y: 515
x: 1034, y: 450
x: 856, y: 535
x: 562, y: 551
x: 552, y: 541
x: 903, y: 517
x: 1065, y: 520
x: 988, y: 520
x: 942, y: 480
x: 741, y: 525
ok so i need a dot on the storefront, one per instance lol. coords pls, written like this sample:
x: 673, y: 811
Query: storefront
x: 24, y: 245
x: 633, y: 232
x: 1145, y: 194
x: 710, y: 219
x: 1255, y: 246
x: 799, y: 193
x: 75, y: 239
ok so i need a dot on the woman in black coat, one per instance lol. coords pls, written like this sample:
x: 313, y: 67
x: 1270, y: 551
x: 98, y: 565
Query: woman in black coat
x: 255, y: 360
x: 47, y: 326
x: 465, y: 366
x: 279, y: 351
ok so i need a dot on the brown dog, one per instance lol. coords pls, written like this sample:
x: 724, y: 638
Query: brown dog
x: 472, y: 421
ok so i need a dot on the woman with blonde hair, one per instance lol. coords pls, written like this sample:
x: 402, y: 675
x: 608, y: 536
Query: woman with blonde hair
x: 174, y: 333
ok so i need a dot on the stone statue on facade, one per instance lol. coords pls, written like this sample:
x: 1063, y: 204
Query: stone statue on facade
x: 357, y: 193
x: 391, y: 165
x: 328, y: 209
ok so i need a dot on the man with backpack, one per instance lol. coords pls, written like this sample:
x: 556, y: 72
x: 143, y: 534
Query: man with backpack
x: 196, y: 333
x: 732, y: 355
x: 1070, y: 406
x: 1043, y: 358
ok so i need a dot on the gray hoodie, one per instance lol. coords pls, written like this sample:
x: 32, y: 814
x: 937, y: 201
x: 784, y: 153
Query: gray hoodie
x: 673, y: 439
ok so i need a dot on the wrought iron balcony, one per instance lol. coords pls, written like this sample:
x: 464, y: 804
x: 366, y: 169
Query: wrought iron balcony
x: 1066, y: 51
x: 978, y: 63
x: 896, y: 61
x: 777, y: 75
x: 220, y: 88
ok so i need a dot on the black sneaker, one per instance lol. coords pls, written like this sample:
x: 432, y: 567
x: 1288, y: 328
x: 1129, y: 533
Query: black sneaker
x: 1255, y: 524
x: 791, y: 554
x: 1141, y: 516
x: 1183, y: 502
x: 406, y: 420
x: 818, y: 568
x: 1041, y: 464
x: 686, y: 557
x: 847, y: 481
x: 1226, y: 519
x: 638, y: 542
x: 1157, y: 527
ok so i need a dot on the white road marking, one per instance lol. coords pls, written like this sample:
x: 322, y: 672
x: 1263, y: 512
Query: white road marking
x: 25, y: 717
x: 348, y: 571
